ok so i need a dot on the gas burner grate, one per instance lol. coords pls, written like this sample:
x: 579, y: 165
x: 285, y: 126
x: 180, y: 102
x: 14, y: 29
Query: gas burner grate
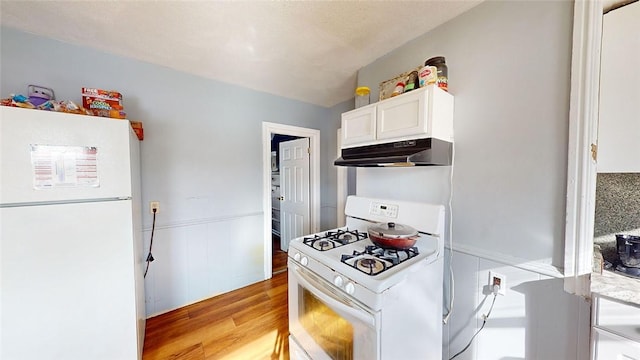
x: 374, y: 260
x: 333, y: 239
x: 345, y: 237
x: 370, y: 266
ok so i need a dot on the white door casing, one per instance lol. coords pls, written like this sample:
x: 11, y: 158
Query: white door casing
x: 583, y: 127
x: 294, y: 186
x: 269, y: 128
x: 342, y: 184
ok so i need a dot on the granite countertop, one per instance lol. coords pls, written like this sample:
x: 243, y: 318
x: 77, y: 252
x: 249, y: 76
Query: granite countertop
x: 616, y: 286
x: 616, y: 212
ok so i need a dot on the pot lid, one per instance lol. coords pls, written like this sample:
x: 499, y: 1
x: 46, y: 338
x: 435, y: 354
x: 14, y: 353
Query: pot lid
x: 393, y: 230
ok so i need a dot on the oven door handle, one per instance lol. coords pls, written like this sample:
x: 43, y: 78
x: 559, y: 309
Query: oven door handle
x: 342, y: 305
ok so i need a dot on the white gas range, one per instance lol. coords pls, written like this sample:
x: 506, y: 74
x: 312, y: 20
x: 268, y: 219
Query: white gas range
x: 350, y: 299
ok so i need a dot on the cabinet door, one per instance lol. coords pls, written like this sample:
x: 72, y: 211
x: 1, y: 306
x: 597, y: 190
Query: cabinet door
x: 359, y: 126
x: 622, y: 319
x: 402, y: 117
x: 619, y: 124
x: 608, y: 346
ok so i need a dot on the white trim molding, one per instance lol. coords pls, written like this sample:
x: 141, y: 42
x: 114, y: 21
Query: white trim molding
x: 582, y: 151
x: 542, y: 267
x: 342, y: 188
x: 200, y: 221
x: 269, y: 128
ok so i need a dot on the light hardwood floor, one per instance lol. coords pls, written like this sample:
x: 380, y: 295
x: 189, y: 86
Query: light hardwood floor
x: 278, y: 257
x: 249, y: 323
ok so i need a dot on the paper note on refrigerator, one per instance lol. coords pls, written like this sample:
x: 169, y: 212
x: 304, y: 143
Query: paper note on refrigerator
x: 64, y: 166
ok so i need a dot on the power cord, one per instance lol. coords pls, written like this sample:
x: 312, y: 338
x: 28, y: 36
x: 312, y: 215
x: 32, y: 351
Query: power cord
x: 496, y: 288
x: 150, y: 257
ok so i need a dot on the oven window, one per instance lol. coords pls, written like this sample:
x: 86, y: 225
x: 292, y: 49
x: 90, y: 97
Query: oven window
x: 330, y: 331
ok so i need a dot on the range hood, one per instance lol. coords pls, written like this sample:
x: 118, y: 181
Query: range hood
x: 418, y: 152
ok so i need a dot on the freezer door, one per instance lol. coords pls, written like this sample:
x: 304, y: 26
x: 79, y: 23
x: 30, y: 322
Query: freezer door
x: 68, y: 288
x: 47, y: 156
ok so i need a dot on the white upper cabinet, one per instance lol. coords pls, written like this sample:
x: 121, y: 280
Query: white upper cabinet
x: 402, y: 116
x: 359, y: 126
x: 619, y: 124
x: 427, y: 112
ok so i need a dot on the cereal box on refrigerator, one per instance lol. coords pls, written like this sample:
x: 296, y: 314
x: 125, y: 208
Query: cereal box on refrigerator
x: 106, y: 103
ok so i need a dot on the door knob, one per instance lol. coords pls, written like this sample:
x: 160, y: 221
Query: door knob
x: 281, y: 198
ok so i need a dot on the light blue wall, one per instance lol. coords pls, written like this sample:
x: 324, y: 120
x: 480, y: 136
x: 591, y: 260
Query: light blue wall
x: 509, y: 69
x: 201, y: 157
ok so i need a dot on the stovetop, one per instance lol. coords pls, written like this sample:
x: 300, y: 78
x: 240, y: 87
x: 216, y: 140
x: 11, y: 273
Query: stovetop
x: 347, y: 259
x: 368, y: 258
x: 357, y: 259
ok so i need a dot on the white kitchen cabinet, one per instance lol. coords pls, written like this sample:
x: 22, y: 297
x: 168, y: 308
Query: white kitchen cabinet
x: 619, y: 123
x: 426, y: 112
x: 608, y: 346
x: 616, y: 330
x: 359, y: 125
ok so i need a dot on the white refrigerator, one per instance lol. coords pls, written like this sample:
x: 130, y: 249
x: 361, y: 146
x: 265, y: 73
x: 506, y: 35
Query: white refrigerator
x: 71, y: 247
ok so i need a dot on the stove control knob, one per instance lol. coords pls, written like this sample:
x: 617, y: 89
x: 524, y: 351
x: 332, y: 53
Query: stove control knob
x: 296, y: 257
x: 350, y: 288
x: 304, y: 261
x: 338, y: 281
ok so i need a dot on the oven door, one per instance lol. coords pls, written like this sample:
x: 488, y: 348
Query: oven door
x: 326, y: 323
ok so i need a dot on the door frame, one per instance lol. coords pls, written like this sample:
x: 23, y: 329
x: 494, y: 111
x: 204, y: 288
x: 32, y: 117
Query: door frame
x: 269, y: 128
x: 582, y: 149
x: 342, y: 188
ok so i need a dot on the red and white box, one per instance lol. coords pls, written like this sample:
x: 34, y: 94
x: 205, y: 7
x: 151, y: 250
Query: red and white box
x: 106, y: 103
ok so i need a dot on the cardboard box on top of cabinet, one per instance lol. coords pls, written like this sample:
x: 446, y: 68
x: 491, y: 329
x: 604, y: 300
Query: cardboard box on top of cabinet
x: 137, y: 128
x: 105, y: 103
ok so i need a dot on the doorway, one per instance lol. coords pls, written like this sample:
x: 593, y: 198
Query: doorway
x: 274, y: 256
x: 289, y: 216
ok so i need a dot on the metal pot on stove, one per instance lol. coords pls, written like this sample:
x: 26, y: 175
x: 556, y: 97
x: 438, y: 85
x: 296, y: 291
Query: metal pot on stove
x: 393, y: 236
x: 628, y: 250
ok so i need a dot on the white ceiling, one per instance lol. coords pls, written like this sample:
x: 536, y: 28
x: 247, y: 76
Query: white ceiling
x: 304, y: 50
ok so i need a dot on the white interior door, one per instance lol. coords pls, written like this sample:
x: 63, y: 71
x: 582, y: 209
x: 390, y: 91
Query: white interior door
x: 294, y: 187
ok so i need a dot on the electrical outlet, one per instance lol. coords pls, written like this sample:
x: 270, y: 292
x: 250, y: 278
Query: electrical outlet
x: 498, y: 279
x: 154, y: 205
